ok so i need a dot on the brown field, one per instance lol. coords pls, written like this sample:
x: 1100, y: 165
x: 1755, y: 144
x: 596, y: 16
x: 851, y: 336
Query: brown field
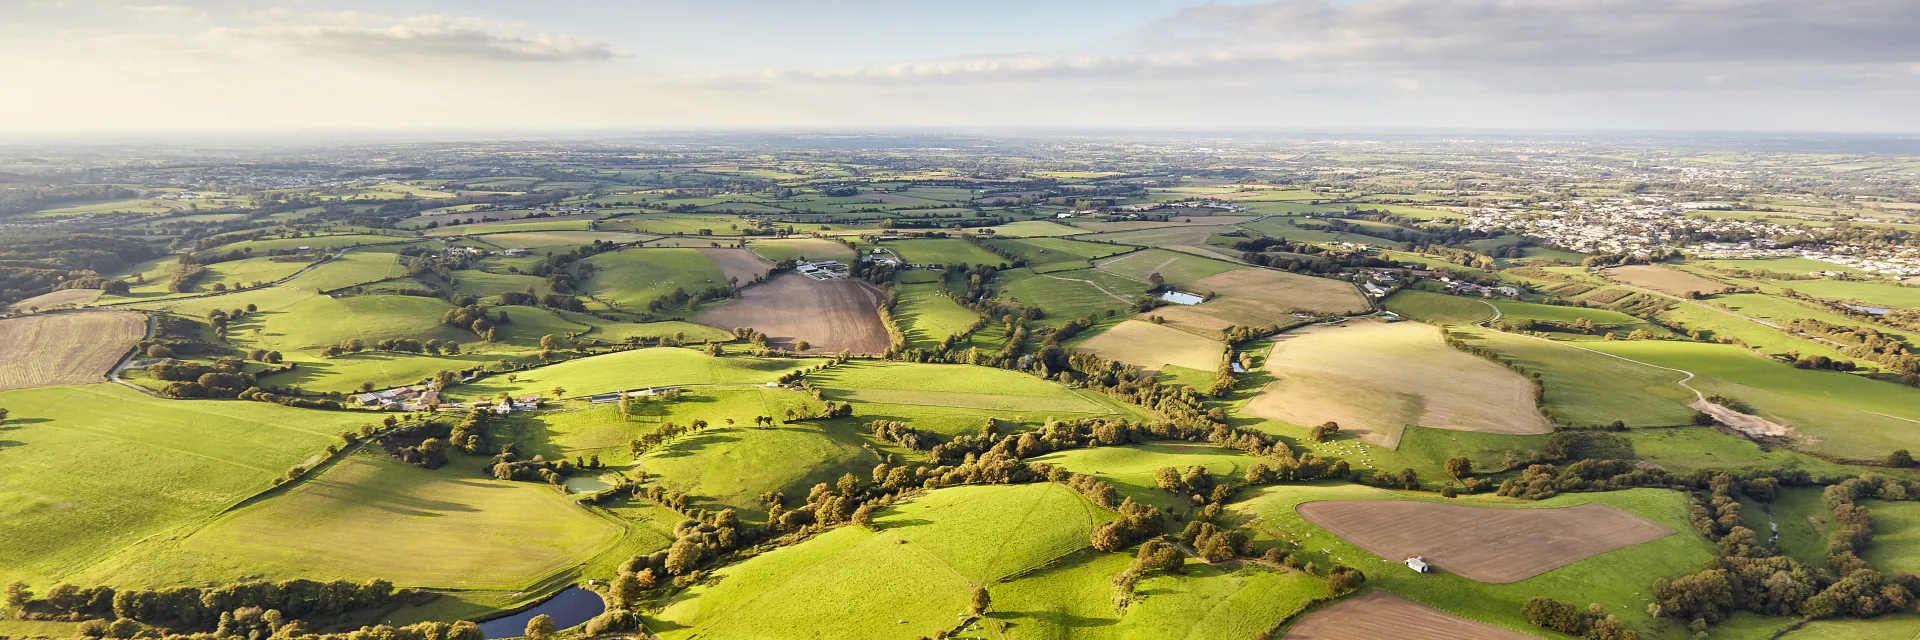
x: 740, y: 265
x: 1380, y: 614
x: 1375, y: 378
x: 1663, y: 280
x: 1260, y: 297
x: 1151, y: 346
x: 50, y: 349
x: 830, y: 315
x: 1488, y: 544
x: 77, y: 297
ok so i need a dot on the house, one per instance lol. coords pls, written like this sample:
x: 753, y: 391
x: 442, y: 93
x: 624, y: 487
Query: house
x: 515, y: 253
x: 1419, y: 565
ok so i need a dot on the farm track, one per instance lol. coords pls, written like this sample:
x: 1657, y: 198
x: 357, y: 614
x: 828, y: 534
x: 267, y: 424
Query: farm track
x: 1089, y: 283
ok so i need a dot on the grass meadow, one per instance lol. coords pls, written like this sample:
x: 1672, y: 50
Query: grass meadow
x: 634, y: 277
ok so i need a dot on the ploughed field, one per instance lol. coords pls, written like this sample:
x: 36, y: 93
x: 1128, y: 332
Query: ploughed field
x: 1380, y: 615
x: 1489, y: 544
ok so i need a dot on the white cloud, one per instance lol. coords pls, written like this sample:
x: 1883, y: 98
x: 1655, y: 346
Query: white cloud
x: 425, y: 36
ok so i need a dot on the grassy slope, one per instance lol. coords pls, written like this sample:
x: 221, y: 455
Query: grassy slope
x: 1583, y: 387
x: 1175, y: 268
x: 357, y: 267
x: 1076, y: 600
x: 634, y: 277
x: 634, y: 369
x: 89, y: 469
x: 943, y: 251
x: 1063, y: 295
x: 927, y: 316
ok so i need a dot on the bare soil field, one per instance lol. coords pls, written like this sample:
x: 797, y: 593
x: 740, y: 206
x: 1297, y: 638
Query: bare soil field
x: 51, y: 349
x: 1151, y: 346
x: 831, y: 315
x: 1488, y: 544
x: 740, y: 265
x: 76, y: 297
x: 1259, y: 297
x: 1375, y: 378
x: 1663, y: 280
x: 1380, y: 614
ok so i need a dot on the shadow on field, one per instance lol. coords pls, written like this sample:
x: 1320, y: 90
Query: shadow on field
x: 1054, y: 617
x: 692, y: 445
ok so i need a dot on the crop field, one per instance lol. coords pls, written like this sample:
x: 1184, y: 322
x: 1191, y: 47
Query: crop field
x: 1261, y: 297
x: 942, y: 251
x: 1832, y: 413
x: 677, y: 224
x: 370, y: 516
x: 1379, y: 614
x: 1664, y: 280
x: 1075, y: 600
x: 486, y: 284
x: 545, y: 239
x: 1151, y: 346
x: 635, y: 369
x: 1612, y: 577
x: 1067, y: 295
x: 1032, y: 229
x: 830, y: 315
x: 927, y: 316
x: 65, y: 348
x: 1375, y: 378
x: 909, y: 574
x: 90, y: 469
x: 59, y: 298
x: 1488, y: 544
x: 740, y: 265
x: 960, y: 386
x: 801, y: 249
x: 1176, y: 269
x: 631, y: 278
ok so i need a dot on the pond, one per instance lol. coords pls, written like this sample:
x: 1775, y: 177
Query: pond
x: 570, y: 607
x: 586, y: 484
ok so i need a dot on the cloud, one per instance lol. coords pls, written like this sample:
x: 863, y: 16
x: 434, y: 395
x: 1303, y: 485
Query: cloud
x: 426, y: 36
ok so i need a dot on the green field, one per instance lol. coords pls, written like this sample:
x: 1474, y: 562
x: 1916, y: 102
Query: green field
x: 555, y: 239
x: 734, y: 466
x: 801, y: 248
x: 1896, y: 536
x: 1438, y: 308
x: 677, y: 224
x: 1048, y: 251
x: 1032, y: 229
x: 357, y: 267
x: 928, y: 316
x: 90, y: 469
x: 957, y: 386
x: 1076, y: 600
x: 313, y: 243
x: 1872, y: 293
x: 632, y: 278
x: 1621, y: 578
x: 1175, y: 268
x: 942, y: 251
x: 1584, y: 387
x: 635, y: 369
x: 1130, y: 469
x: 370, y: 516
x: 909, y: 575
x: 1070, y: 295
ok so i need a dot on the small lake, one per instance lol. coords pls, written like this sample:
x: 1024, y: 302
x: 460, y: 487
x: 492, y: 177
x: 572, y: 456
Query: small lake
x: 1875, y: 311
x: 572, y: 606
x: 586, y: 484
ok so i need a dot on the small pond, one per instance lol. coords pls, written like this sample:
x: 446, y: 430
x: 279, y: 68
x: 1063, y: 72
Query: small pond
x: 586, y: 484
x: 570, y: 607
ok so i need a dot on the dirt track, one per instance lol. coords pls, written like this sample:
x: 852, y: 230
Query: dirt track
x: 1380, y: 614
x: 830, y: 315
x: 1488, y: 544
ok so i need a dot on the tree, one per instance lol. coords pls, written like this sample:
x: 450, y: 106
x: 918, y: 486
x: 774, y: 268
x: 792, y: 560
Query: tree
x: 624, y: 591
x: 1324, y: 431
x: 159, y: 351
x: 552, y: 342
x: 801, y: 345
x: 682, y: 557
x: 981, y: 600
x: 3, y: 414
x: 863, y: 516
x: 1899, y: 459
x: 1459, y: 467
x: 540, y: 627
x: 559, y: 392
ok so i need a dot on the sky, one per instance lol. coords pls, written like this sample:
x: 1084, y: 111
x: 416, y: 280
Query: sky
x: 98, y: 66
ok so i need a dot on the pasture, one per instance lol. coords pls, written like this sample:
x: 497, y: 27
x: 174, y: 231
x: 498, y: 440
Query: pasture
x: 47, y: 349
x: 1130, y: 469
x: 1261, y: 297
x: 927, y: 316
x: 556, y: 239
x: 942, y: 251
x: 1069, y: 295
x: 1668, y: 281
x: 1031, y: 229
x: 957, y: 386
x: 370, y: 516
x: 797, y: 249
x: 830, y: 315
x: 1438, y: 308
x: 633, y: 369
x: 1871, y: 293
x: 1585, y: 387
x: 1175, y: 269
x: 354, y: 268
x: 908, y: 575
x: 1375, y: 378
x: 732, y: 466
x: 629, y: 279
x: 1074, y: 599
x: 1151, y: 346
x: 1488, y: 544
x: 90, y: 469
x: 1057, y: 251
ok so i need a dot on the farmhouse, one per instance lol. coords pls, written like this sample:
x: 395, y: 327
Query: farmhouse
x: 1419, y: 565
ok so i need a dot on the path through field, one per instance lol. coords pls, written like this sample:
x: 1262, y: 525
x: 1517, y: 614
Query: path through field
x: 1095, y: 285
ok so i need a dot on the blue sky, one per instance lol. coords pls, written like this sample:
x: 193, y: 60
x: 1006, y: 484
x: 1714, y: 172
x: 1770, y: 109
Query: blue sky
x: 319, y: 65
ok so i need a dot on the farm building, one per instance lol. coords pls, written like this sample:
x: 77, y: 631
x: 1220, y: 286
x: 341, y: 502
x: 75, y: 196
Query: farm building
x: 1419, y: 565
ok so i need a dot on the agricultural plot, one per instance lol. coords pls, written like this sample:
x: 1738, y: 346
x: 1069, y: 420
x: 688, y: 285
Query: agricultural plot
x: 315, y: 243
x: 1151, y: 346
x: 731, y: 467
x: 629, y: 279
x: 927, y: 316
x: 1668, y: 281
x: 1057, y: 251
x: 1174, y: 268
x: 90, y: 469
x: 953, y: 386
x: 1031, y: 229
x: 740, y: 265
x: 1488, y: 544
x: 548, y: 239
x: 486, y: 284
x: 235, y: 274
x: 65, y: 348
x: 1069, y: 295
x: 1618, y: 576
x: 370, y: 516
x: 1076, y: 600
x: 1131, y: 468
x: 1438, y: 308
x: 354, y: 268
x: 1261, y: 297
x: 829, y: 315
x: 797, y: 249
x: 1185, y: 238
x: 942, y: 251
x: 678, y: 224
x: 1379, y: 614
x: 1872, y: 293
x: 909, y: 574
x: 634, y: 369
x: 1376, y: 378
x: 55, y: 299
x: 1585, y: 387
